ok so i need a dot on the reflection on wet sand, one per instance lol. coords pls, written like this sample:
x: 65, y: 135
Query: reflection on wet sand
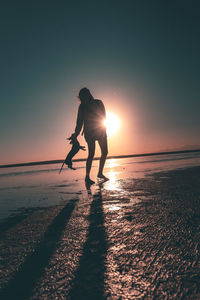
x: 113, y: 184
x: 153, y: 244
x: 111, y: 163
x: 131, y: 237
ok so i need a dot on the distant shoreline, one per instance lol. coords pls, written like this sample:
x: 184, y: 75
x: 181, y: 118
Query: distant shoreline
x: 48, y: 162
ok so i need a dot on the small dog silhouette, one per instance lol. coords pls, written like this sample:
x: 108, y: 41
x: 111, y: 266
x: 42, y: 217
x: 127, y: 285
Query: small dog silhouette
x: 75, y: 148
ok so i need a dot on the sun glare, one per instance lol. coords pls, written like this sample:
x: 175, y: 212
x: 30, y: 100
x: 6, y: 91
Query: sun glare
x: 112, y: 123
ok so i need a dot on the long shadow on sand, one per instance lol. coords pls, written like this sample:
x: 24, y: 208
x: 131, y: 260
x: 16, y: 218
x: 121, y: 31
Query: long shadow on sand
x: 89, y: 278
x: 14, y: 220
x: 23, y: 282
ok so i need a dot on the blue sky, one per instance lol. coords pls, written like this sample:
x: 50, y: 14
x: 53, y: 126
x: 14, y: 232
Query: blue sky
x: 140, y: 57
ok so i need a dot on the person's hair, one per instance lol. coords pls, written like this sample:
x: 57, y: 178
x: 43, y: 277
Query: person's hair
x: 85, y: 96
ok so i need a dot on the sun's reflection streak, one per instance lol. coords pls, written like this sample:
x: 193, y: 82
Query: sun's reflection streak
x: 111, y: 163
x: 113, y: 184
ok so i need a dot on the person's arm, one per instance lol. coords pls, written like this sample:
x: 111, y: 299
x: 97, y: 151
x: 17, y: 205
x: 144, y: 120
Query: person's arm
x: 79, y: 122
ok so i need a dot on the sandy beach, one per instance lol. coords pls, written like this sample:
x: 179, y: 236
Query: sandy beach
x: 133, y: 237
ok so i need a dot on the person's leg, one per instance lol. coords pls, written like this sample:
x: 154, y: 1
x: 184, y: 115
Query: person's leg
x: 91, y: 150
x: 104, y: 151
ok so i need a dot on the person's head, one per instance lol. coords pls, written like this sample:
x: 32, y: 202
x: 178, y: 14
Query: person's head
x: 85, y: 96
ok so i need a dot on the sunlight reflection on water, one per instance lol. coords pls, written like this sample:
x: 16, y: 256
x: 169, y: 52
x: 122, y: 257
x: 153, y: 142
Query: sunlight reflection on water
x: 114, y: 207
x: 43, y: 186
x: 113, y: 184
x: 111, y: 163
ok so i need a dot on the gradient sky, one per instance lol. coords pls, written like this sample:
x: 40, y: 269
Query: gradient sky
x: 140, y: 57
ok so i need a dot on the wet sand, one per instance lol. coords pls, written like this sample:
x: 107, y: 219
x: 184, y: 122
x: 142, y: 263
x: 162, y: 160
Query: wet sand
x: 129, y: 238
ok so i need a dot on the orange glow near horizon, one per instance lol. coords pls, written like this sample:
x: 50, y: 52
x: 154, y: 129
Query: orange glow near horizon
x: 112, y: 124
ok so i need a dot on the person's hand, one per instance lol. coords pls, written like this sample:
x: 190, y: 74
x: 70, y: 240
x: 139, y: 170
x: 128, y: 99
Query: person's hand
x: 73, y: 136
x: 82, y: 148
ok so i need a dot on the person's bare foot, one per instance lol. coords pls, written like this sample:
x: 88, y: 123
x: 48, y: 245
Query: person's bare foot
x: 101, y: 176
x: 88, y: 180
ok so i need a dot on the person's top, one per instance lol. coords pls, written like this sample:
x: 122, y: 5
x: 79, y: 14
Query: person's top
x: 91, y: 118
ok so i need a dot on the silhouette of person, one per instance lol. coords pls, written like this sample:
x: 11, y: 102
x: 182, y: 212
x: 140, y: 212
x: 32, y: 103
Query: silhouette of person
x: 91, y: 114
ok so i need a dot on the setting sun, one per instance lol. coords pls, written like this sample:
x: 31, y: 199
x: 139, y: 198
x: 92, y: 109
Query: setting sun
x: 112, y: 123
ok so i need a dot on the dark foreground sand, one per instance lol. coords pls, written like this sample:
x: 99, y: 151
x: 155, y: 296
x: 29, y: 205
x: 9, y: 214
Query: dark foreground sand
x: 138, y: 240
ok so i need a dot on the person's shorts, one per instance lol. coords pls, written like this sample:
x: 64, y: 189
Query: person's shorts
x: 95, y: 137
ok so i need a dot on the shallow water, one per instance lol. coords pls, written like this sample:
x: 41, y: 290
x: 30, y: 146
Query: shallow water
x: 42, y: 186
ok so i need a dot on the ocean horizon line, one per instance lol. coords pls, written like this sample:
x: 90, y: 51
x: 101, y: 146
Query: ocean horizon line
x: 57, y: 161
